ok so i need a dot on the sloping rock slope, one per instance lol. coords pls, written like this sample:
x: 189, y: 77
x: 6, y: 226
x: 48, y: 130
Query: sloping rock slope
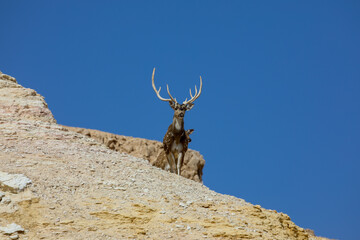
x: 147, y: 149
x: 77, y: 188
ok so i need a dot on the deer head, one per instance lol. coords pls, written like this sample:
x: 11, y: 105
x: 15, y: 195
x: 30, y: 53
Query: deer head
x: 179, y: 109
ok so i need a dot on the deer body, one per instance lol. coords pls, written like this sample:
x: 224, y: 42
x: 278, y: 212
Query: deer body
x: 173, y: 144
x: 176, y: 139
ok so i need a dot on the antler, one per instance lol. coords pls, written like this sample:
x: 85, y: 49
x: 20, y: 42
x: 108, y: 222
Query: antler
x: 197, y: 94
x: 171, y: 99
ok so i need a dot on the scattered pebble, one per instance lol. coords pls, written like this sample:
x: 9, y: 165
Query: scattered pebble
x: 15, y: 236
x: 5, y: 200
x: 181, y: 204
x: 2, y: 195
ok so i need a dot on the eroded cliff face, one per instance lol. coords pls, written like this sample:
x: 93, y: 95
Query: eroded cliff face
x: 75, y: 187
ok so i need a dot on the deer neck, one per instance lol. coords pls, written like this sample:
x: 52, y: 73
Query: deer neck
x: 178, y: 124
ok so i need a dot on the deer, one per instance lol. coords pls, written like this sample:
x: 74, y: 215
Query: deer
x: 176, y: 139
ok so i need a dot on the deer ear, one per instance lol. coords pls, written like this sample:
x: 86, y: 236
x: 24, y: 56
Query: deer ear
x: 189, y: 106
x: 172, y: 105
x: 190, y: 131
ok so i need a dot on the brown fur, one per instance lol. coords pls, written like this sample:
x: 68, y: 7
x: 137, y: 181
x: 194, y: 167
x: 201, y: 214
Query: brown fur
x: 179, y: 136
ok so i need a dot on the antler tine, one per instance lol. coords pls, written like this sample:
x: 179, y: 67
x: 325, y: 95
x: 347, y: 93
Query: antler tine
x: 158, y: 91
x: 197, y: 94
x: 191, y: 93
x: 174, y: 100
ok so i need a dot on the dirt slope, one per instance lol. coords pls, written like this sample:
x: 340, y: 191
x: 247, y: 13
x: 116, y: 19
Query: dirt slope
x: 81, y: 189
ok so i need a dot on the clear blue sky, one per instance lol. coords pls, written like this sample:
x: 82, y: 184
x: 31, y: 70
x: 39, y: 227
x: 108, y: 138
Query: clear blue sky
x: 279, y: 118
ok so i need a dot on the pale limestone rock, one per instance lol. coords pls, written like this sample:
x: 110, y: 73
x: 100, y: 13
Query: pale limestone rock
x: 7, y: 77
x: 14, y: 237
x: 5, y: 200
x: 19, y: 103
x: 11, y: 228
x: 14, y: 183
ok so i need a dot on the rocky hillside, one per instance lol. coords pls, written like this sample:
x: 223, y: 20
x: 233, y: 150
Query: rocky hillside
x: 146, y: 149
x: 60, y: 184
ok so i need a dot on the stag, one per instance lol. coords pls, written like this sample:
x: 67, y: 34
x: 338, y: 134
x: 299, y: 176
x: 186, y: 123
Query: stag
x: 176, y: 139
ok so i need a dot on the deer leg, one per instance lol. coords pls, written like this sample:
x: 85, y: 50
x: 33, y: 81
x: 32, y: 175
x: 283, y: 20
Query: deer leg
x: 167, y: 166
x: 179, y: 162
x: 171, y: 159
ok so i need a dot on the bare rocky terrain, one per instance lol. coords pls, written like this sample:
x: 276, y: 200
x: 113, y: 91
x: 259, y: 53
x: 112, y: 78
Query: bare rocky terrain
x: 147, y: 149
x: 57, y: 183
